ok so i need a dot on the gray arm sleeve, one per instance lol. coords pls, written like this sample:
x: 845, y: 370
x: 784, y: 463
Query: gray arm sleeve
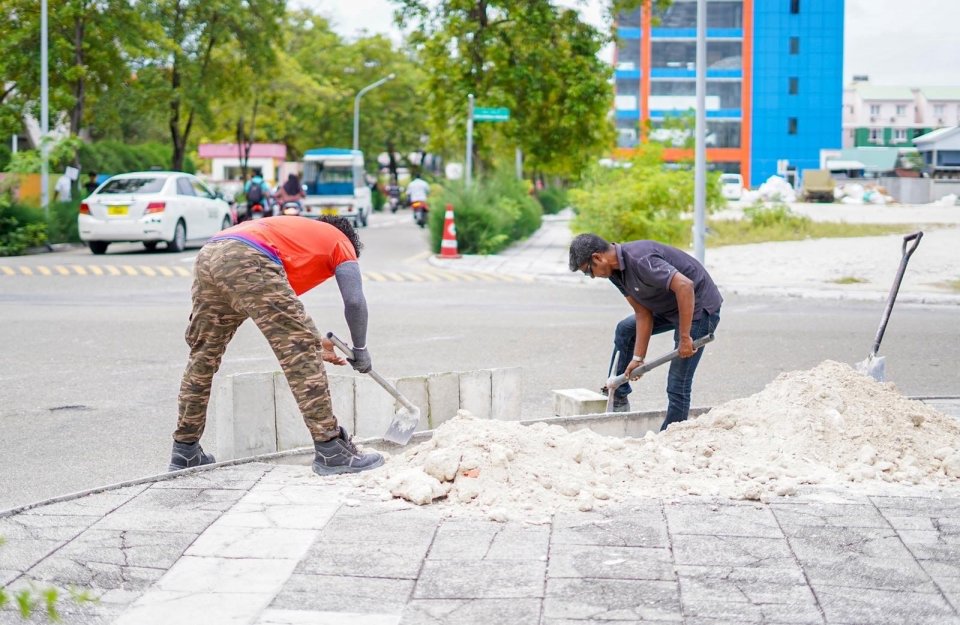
x: 354, y: 304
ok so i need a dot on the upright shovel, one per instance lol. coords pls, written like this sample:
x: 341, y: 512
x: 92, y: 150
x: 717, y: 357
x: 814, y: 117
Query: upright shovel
x: 406, y: 418
x: 875, y: 366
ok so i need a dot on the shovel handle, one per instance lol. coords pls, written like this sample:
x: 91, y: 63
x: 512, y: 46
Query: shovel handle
x: 613, y: 383
x: 910, y: 243
x: 379, y: 379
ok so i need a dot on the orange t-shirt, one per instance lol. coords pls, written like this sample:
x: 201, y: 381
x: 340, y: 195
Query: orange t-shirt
x: 309, y: 250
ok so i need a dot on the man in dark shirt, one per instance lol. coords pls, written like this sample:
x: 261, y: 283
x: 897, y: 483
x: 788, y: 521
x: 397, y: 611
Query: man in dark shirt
x: 668, y: 290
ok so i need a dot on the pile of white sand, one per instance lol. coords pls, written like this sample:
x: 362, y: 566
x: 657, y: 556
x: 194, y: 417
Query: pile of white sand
x: 829, y: 426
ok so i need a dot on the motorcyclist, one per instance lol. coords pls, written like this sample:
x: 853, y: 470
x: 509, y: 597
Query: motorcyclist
x: 291, y: 191
x: 418, y: 190
x: 258, y: 192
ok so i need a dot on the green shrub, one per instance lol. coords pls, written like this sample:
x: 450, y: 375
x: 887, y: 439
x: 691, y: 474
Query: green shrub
x: 21, y: 227
x: 776, y: 215
x: 553, y: 200
x: 377, y: 199
x: 62, y: 222
x: 640, y: 200
x: 490, y: 215
x: 116, y: 157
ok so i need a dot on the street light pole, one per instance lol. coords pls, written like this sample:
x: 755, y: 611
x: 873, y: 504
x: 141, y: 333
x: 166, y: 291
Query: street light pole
x: 44, y: 112
x: 700, y: 148
x: 356, y: 108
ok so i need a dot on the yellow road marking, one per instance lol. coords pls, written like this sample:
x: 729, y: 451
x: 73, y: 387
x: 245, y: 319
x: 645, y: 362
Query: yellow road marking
x: 8, y: 271
x: 147, y: 271
x: 396, y: 277
x: 182, y: 271
x: 96, y: 270
x: 26, y: 271
x: 113, y: 270
x: 44, y: 270
x: 430, y: 276
x: 449, y: 277
x: 165, y: 271
x: 63, y: 271
x: 376, y: 277
x: 413, y: 277
x: 79, y: 270
x: 129, y: 270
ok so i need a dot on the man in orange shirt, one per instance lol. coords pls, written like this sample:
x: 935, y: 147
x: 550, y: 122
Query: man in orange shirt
x: 256, y: 270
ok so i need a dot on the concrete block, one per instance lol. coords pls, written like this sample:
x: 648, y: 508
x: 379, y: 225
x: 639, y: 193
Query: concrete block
x: 373, y: 408
x: 443, y: 390
x: 245, y: 415
x: 415, y: 389
x: 475, y: 392
x: 506, y: 390
x: 292, y: 432
x: 342, y: 394
x: 577, y: 401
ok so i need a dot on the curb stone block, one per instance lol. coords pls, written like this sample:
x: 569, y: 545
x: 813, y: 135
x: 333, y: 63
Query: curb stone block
x: 570, y: 402
x: 291, y: 430
x: 415, y: 389
x: 342, y: 394
x: 246, y: 415
x: 475, y: 392
x: 373, y: 408
x: 506, y: 393
x: 443, y: 390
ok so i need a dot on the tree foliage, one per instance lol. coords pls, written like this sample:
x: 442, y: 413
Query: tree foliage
x: 529, y: 55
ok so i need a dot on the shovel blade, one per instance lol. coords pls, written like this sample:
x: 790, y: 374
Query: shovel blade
x: 402, y: 427
x: 873, y: 366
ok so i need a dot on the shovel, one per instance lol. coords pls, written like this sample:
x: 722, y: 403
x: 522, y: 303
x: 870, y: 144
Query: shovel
x: 619, y: 380
x: 874, y: 365
x: 406, y: 418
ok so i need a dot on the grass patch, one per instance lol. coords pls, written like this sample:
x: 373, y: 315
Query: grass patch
x: 729, y: 232
x: 849, y: 280
x: 953, y: 285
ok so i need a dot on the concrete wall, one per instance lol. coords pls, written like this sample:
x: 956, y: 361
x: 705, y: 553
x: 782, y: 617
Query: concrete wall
x: 918, y: 190
x: 255, y: 413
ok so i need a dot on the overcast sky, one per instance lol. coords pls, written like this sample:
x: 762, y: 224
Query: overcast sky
x: 895, y: 42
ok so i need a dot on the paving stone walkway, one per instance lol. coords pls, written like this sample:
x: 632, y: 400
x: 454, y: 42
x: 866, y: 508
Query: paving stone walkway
x: 269, y: 544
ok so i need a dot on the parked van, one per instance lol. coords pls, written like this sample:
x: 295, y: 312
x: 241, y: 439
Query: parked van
x: 334, y: 182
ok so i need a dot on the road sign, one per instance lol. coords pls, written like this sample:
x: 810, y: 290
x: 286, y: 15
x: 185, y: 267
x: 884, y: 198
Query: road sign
x: 491, y: 114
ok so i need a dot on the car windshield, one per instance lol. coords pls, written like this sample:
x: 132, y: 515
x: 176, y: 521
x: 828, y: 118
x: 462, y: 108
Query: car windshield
x: 133, y: 185
x: 728, y: 178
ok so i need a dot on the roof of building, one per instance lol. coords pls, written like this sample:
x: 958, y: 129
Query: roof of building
x: 874, y: 159
x: 941, y: 93
x: 936, y: 135
x: 876, y: 92
x: 230, y: 150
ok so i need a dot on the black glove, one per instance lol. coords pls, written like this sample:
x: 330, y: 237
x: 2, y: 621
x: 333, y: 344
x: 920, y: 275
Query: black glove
x: 361, y: 360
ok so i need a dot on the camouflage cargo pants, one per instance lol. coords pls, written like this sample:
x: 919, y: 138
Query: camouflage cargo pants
x: 233, y: 281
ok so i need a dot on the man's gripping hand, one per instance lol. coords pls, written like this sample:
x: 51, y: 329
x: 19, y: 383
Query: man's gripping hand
x: 361, y: 360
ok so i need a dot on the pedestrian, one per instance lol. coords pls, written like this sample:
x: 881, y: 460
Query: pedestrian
x: 63, y: 188
x: 91, y: 184
x: 256, y: 270
x: 667, y: 290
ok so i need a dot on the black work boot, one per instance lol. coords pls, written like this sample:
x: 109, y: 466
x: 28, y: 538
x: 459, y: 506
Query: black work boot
x: 340, y: 455
x: 186, y: 455
x: 621, y: 404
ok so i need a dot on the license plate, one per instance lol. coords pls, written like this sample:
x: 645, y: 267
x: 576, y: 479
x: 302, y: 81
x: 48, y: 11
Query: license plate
x: 117, y: 211
x: 329, y: 210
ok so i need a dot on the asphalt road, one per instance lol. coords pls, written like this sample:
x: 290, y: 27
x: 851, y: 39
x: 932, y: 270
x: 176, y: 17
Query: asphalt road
x: 91, y: 363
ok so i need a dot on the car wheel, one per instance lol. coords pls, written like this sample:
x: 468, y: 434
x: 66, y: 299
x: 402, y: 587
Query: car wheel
x: 98, y: 247
x: 179, y: 240
x: 227, y: 222
x: 150, y: 245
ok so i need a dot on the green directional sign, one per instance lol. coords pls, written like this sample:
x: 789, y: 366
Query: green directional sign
x: 491, y: 114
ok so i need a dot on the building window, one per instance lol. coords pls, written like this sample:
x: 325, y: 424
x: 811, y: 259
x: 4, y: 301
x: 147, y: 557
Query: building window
x: 900, y: 135
x: 720, y: 14
x: 683, y: 55
x: 791, y: 125
x: 794, y: 85
x: 938, y: 110
x: 874, y: 109
x: 794, y: 6
x: 794, y: 45
x: 876, y: 135
x: 901, y: 109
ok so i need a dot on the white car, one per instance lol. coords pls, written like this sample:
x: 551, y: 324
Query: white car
x: 152, y: 207
x: 731, y: 185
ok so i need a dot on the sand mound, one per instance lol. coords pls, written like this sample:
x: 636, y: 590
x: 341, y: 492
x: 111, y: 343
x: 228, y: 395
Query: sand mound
x: 829, y: 425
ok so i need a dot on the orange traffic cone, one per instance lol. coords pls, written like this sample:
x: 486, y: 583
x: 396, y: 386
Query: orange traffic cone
x: 448, y: 245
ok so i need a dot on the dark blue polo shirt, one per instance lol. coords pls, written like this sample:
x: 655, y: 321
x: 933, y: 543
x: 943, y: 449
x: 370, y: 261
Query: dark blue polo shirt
x: 646, y: 269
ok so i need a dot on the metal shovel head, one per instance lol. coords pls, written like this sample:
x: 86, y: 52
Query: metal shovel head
x: 403, y: 425
x: 874, y: 366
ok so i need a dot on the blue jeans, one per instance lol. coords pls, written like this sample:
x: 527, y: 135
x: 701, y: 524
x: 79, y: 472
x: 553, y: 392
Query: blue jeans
x: 680, y: 377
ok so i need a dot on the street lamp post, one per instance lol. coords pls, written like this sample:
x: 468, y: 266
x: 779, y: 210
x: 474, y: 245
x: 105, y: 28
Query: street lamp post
x: 356, y: 108
x: 44, y: 106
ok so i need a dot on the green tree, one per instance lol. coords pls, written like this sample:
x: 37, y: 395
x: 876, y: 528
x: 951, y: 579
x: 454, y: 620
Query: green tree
x: 191, y: 33
x: 536, y: 58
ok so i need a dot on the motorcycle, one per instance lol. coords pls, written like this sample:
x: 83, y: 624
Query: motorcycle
x: 257, y: 211
x: 420, y: 210
x: 291, y: 207
x: 393, y: 198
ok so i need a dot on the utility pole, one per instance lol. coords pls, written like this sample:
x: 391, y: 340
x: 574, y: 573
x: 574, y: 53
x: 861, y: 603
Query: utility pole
x: 356, y: 108
x: 469, y: 165
x: 44, y: 113
x: 700, y: 155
